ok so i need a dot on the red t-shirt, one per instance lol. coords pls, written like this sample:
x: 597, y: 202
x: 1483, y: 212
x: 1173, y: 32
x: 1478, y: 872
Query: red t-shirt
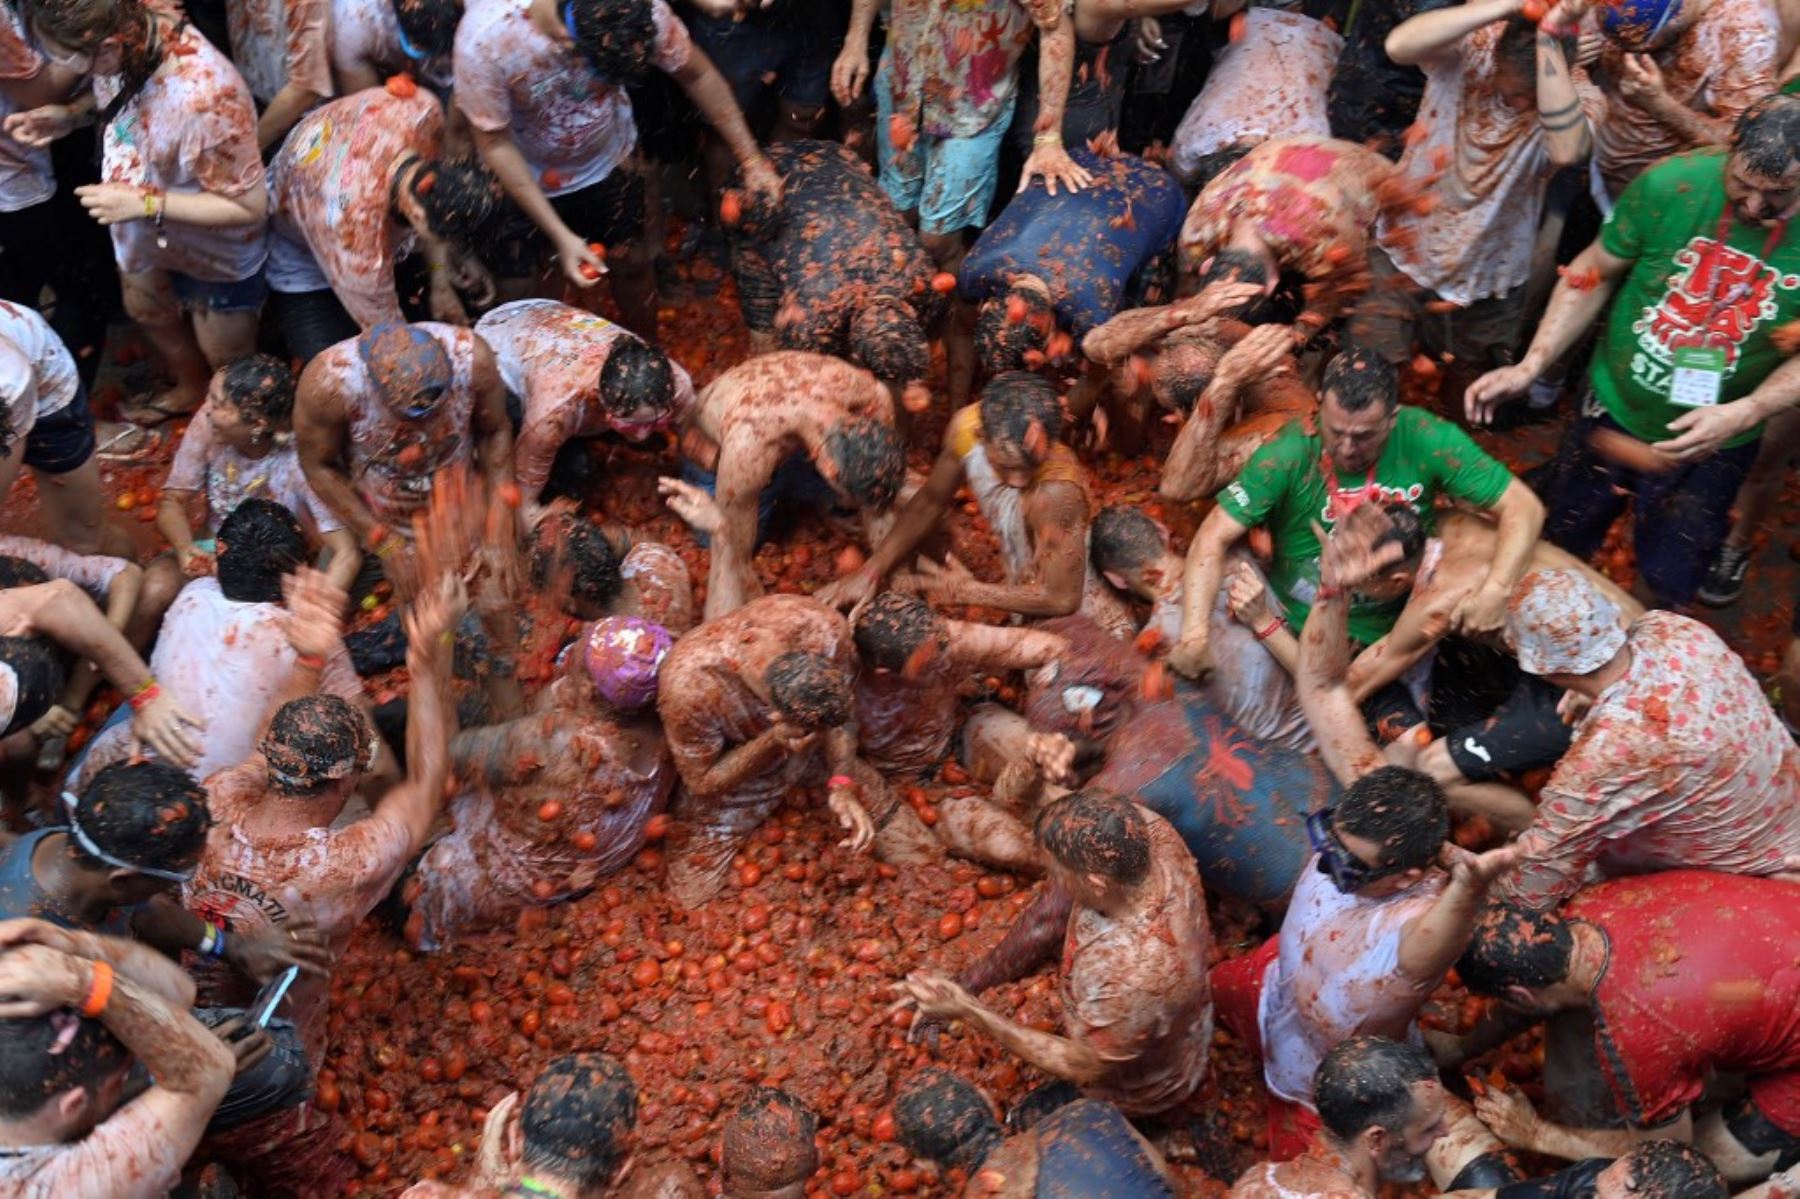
x: 1702, y: 975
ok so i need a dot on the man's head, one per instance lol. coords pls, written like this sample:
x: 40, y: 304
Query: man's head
x: 888, y: 341
x: 577, y: 1121
x: 251, y: 400
x: 617, y: 37
x: 900, y: 633
x: 1762, y: 173
x: 1359, y: 402
x: 1210, y: 166
x: 1519, y: 955
x: 61, y: 1073
x: 1515, y: 62
x: 573, y: 561
x: 1127, y: 547
x: 1013, y: 328
x: 864, y: 460
x: 1381, y: 1102
x: 1662, y: 1170
x: 1246, y: 258
x: 318, y: 743
x: 408, y: 367
x: 808, y: 690
x: 450, y: 200
x: 17, y: 572
x: 1098, y: 844
x: 258, y: 544
x: 637, y: 387
x: 1384, y: 834
x: 427, y: 27
x: 945, y: 1119
x: 768, y: 1150
x: 1407, y: 530
x: 1021, y: 419
x: 622, y: 657
x: 1562, y: 627
x: 136, y: 831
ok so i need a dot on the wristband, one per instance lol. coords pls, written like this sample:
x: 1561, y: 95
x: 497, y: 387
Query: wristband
x: 149, y: 202
x: 1329, y: 593
x: 100, y: 987
x: 310, y: 661
x: 218, y: 949
x: 144, y: 696
x: 1270, y: 629
x: 840, y: 780
x: 1048, y: 138
x: 208, y: 940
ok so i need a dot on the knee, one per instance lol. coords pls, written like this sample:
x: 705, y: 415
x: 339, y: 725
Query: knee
x: 150, y: 305
x: 162, y: 583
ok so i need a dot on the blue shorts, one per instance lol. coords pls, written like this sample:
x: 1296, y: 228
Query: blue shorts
x: 64, y: 440
x: 203, y: 295
x: 949, y: 180
x: 796, y: 54
x: 1088, y: 1150
x: 796, y: 481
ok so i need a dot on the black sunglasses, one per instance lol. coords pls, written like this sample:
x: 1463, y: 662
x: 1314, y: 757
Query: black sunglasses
x: 1347, y: 872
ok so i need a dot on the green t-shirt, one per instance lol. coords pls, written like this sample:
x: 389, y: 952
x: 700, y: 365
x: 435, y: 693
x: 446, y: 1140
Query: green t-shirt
x: 1686, y: 289
x: 1283, y: 486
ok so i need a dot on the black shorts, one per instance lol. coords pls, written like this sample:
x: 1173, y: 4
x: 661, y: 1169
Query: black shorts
x: 64, y: 440
x: 1523, y: 733
x: 1390, y: 712
x: 610, y: 212
x: 39, y: 675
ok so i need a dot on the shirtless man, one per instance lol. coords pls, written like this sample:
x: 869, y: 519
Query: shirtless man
x: 1381, y: 1109
x: 1299, y: 205
x: 1137, y: 1007
x: 357, y: 186
x: 556, y: 798
x: 377, y: 418
x: 790, y: 425
x: 576, y: 376
x: 1082, y: 1148
x: 77, y: 1010
x: 756, y: 704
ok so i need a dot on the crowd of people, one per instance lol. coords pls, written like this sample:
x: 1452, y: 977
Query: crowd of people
x: 380, y: 665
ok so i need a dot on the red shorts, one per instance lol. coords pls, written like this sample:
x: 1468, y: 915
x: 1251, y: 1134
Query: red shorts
x: 1237, y: 987
x: 1777, y: 1097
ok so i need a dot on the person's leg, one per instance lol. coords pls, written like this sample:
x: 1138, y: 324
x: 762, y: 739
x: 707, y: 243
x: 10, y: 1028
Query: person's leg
x: 60, y: 452
x: 226, y: 324
x: 1386, y: 319
x: 1524, y: 732
x: 613, y: 212
x: 1682, y: 519
x: 959, y: 184
x: 970, y: 827
x: 1584, y: 493
x: 150, y: 301
x: 1756, y: 499
x: 1507, y: 809
x: 311, y: 322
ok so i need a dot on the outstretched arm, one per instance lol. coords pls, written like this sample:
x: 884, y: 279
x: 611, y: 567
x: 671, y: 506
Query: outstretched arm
x: 430, y: 712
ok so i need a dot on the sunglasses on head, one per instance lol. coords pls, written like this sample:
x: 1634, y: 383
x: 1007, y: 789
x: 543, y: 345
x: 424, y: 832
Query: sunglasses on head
x: 424, y: 402
x: 1347, y: 872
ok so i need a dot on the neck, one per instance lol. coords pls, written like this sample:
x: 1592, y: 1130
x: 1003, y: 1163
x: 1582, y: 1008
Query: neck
x: 57, y: 873
x: 1591, y: 685
x: 283, y: 812
x: 1354, y: 1165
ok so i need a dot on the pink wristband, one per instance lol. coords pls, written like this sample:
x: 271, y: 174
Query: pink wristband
x: 840, y: 780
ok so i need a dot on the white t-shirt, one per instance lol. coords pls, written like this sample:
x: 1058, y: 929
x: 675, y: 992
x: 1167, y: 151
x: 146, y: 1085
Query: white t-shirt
x: 53, y: 365
x: 1268, y: 84
x: 1337, y: 976
x: 25, y: 176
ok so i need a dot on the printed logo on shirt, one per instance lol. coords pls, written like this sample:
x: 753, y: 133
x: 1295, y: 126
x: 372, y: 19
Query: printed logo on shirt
x: 1238, y: 495
x: 1342, y: 501
x: 229, y: 895
x: 1717, y: 298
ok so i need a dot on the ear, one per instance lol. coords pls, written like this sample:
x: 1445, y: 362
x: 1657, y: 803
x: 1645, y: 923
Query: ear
x: 1522, y: 996
x: 1037, y: 442
x: 71, y: 1103
x: 1205, y: 265
x: 1116, y: 580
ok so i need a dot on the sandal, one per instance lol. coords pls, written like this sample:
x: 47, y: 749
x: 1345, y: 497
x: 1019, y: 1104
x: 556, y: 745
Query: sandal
x: 128, y: 443
x: 151, y: 413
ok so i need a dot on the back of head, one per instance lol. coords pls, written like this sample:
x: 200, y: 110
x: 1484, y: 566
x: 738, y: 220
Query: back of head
x: 1672, y: 1170
x: 457, y: 197
x: 887, y: 340
x: 1402, y: 811
x: 17, y: 572
x: 1406, y: 529
x: 578, y: 1117
x: 1356, y: 379
x: 809, y: 690
x: 1516, y: 946
x: 1231, y: 265
x: 315, y: 740
x: 1517, y: 47
x: 636, y: 375
x: 261, y: 386
x: 617, y: 37
x: 258, y: 544
x: 148, y: 814
x: 1124, y: 539
x: 1367, y: 1082
x: 1011, y: 402
x: 768, y: 1142
x: 869, y: 462
x: 892, y: 628
x: 1096, y: 832
x: 943, y: 1118
x: 429, y: 26
x: 44, y: 1056
x: 570, y: 557
x: 1766, y: 139
x: 1012, y: 326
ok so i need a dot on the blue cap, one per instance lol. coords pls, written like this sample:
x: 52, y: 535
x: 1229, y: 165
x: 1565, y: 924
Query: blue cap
x: 1636, y: 24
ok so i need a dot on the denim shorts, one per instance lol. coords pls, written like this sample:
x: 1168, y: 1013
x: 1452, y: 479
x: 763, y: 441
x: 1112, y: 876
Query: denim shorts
x: 64, y: 440
x: 796, y: 481
x: 203, y: 295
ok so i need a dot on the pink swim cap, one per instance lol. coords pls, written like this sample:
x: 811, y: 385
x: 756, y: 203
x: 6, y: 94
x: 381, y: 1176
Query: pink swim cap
x: 623, y: 655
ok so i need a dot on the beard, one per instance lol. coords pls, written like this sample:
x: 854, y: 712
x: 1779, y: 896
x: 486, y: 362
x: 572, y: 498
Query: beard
x: 1402, y: 1167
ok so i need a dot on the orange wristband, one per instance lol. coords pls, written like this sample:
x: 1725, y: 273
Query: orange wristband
x: 100, y: 989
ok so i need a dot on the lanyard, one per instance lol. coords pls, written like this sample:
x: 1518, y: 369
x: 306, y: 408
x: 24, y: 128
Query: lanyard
x: 1350, y: 502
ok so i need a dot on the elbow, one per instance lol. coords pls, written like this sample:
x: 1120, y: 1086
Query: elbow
x: 1570, y: 149
x: 1401, y: 50
x: 1176, y: 487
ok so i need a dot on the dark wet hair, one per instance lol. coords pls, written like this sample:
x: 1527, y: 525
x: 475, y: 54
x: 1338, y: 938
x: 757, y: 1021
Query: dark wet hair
x: 1407, y: 530
x: 261, y: 385
x: 870, y: 461
x: 1096, y: 832
x: 617, y: 37
x: 1011, y: 401
x: 1184, y: 384
x: 1210, y: 166
x: 1124, y: 538
x: 809, y: 689
x: 1359, y: 378
x: 1517, y: 47
x: 578, y: 1117
x: 21, y: 572
x: 1400, y: 810
x: 83, y: 25
x: 566, y: 552
x: 1001, y: 343
x: 315, y: 740
x: 768, y: 1140
x: 636, y: 373
x: 1671, y: 1170
x: 891, y: 628
x: 457, y: 197
x: 1514, y: 945
x: 887, y: 340
x: 1231, y: 265
x: 34, y: 1071
x: 943, y: 1118
x: 147, y: 813
x: 1367, y: 1082
x: 1767, y: 136
x: 259, y: 542
x: 430, y: 25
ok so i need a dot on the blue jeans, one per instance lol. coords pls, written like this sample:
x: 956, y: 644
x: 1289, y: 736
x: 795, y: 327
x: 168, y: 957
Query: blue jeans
x: 796, y: 481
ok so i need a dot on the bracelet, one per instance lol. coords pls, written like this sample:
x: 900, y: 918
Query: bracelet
x: 212, y: 942
x: 313, y: 662
x: 144, y: 696
x: 218, y: 949
x: 150, y: 202
x: 840, y: 780
x: 1049, y: 137
x: 1329, y: 593
x: 1270, y: 629
x: 100, y: 987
